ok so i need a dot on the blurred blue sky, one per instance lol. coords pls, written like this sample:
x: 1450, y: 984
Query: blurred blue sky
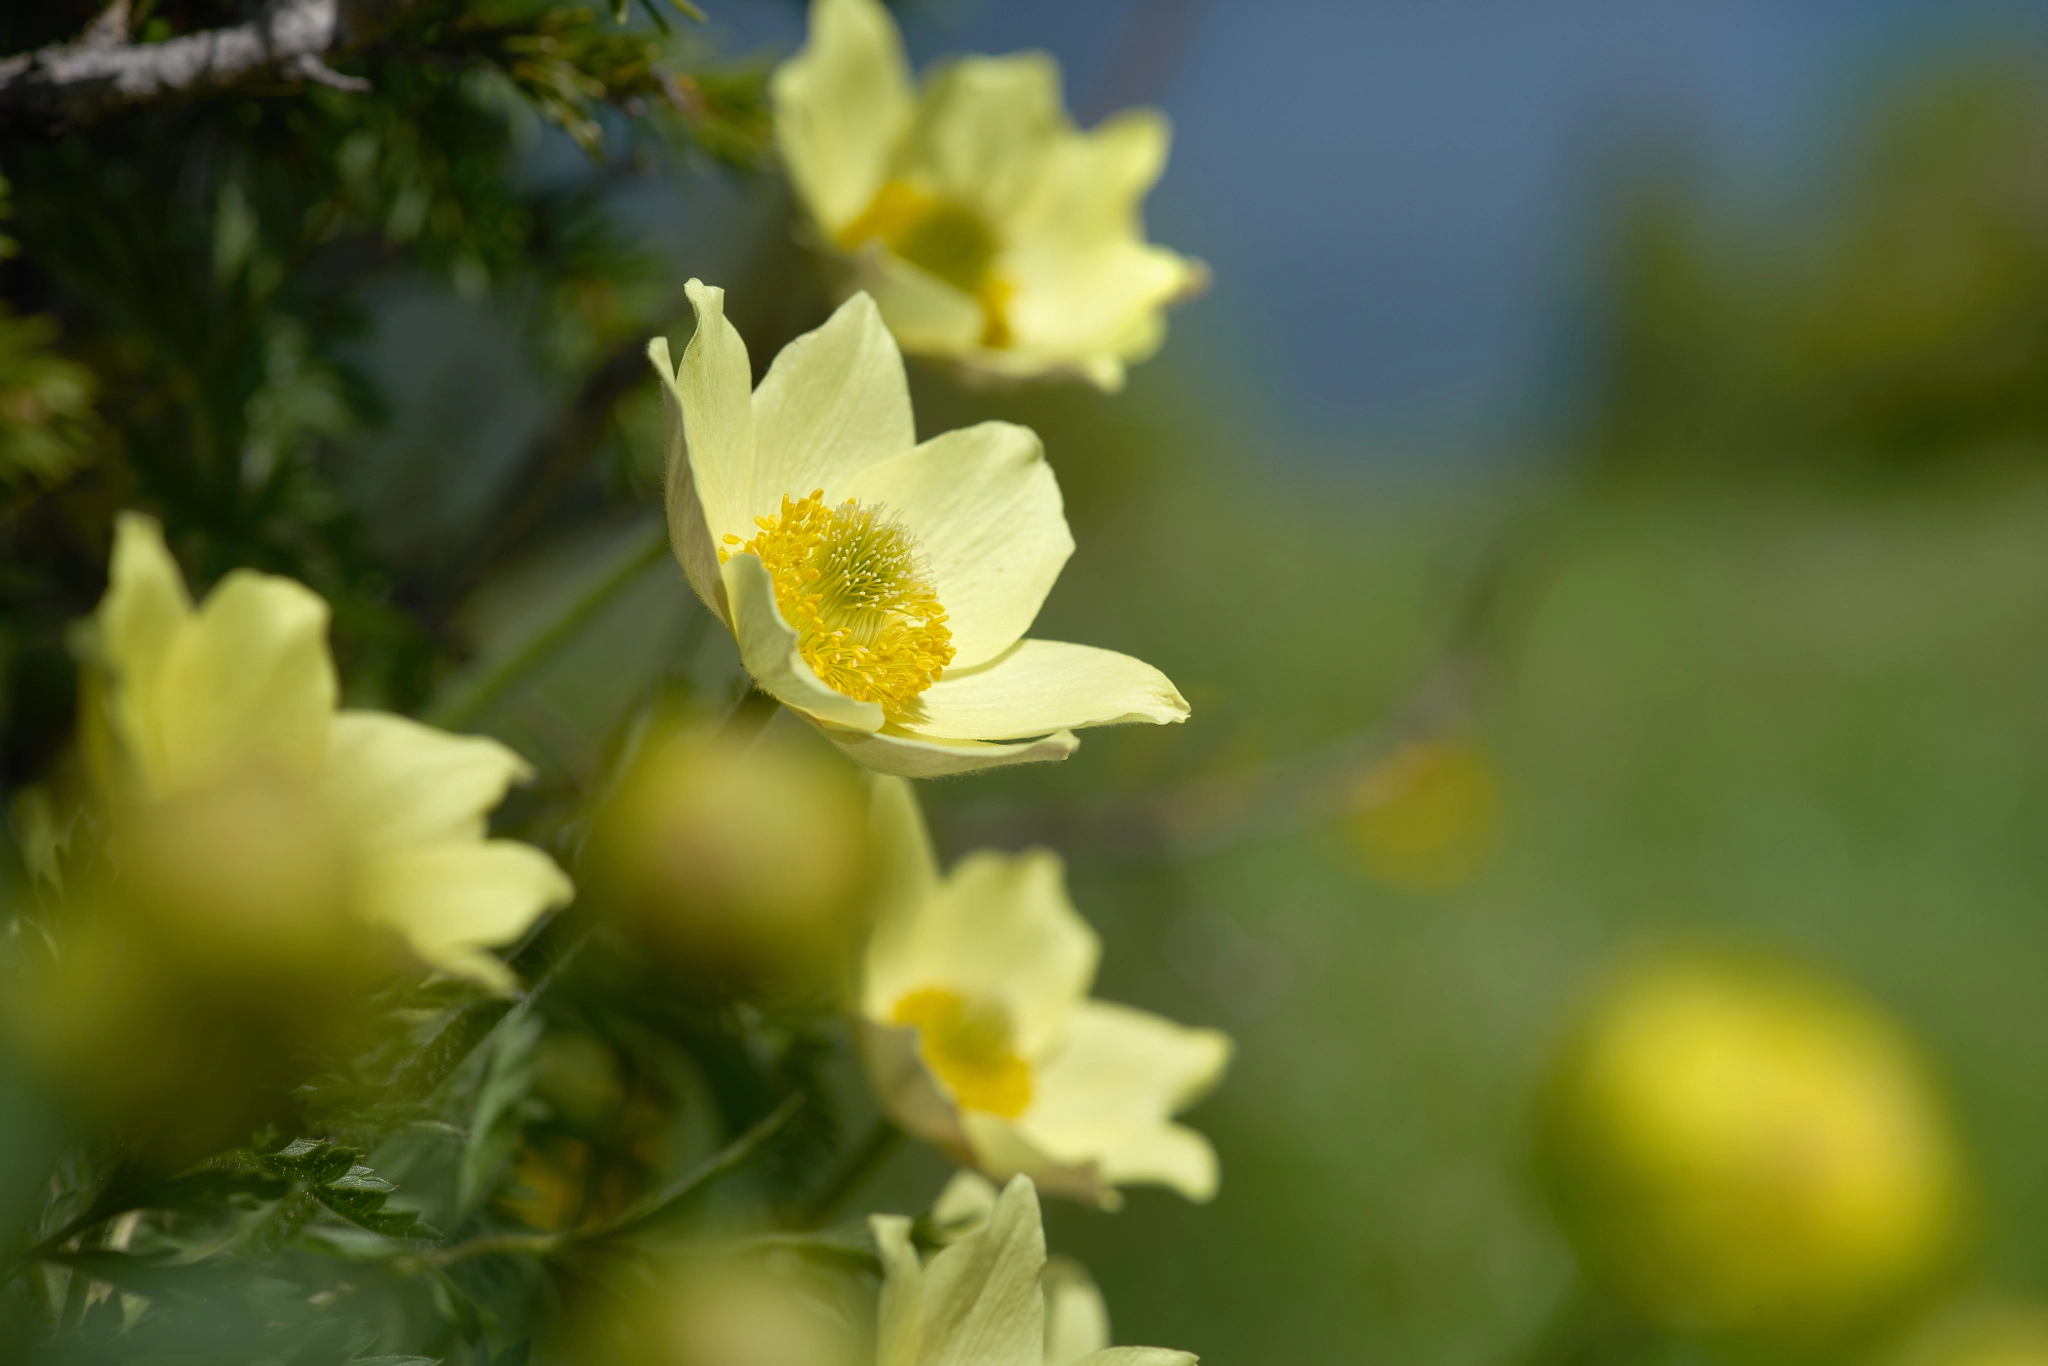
x: 1405, y: 201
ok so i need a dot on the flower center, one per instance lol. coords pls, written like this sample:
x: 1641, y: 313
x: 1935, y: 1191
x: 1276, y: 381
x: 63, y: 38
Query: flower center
x: 850, y: 581
x: 942, y: 238
x: 967, y: 1044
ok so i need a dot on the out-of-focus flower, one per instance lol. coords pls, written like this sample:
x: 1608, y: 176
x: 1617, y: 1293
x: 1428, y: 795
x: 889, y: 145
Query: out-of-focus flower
x: 262, y: 808
x: 992, y: 231
x: 1423, y: 818
x: 982, y: 1299
x: 1737, y: 1147
x: 980, y: 1037
x: 728, y: 1312
x: 746, y: 863
x: 1985, y: 1334
x: 878, y: 586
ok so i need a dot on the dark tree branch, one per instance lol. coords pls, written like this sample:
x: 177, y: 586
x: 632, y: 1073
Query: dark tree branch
x: 74, y: 83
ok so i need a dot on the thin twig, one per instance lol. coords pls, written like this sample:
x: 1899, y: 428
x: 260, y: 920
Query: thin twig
x: 473, y: 693
x: 73, y: 83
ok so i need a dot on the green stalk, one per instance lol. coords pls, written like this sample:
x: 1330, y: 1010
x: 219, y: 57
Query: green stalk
x: 474, y: 693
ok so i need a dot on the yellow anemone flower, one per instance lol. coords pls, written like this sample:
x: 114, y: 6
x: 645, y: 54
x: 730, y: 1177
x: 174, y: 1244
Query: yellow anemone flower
x: 237, y: 696
x: 993, y: 232
x: 980, y: 1037
x: 879, y: 586
x: 1739, y: 1148
x: 983, y: 1298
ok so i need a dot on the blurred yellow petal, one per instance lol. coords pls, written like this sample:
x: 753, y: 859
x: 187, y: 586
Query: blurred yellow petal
x: 926, y: 315
x: 1076, y: 1319
x: 769, y: 649
x: 833, y: 404
x: 1039, y: 686
x: 988, y: 514
x: 999, y: 931
x: 984, y: 132
x: 903, y: 846
x: 898, y: 752
x: 1109, y: 1092
x: 899, y: 1321
x: 248, y: 681
x: 455, y: 900
x: 396, y: 782
x: 145, y: 608
x: 1137, y: 1356
x: 841, y: 105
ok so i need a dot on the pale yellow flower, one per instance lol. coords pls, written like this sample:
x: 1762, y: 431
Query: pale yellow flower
x: 238, y: 695
x: 879, y: 586
x: 992, y: 231
x: 984, y: 1300
x: 1740, y: 1148
x: 980, y: 1037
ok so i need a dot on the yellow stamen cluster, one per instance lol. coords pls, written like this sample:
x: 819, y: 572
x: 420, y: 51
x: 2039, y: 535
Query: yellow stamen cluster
x: 848, y: 579
x: 941, y: 238
x: 967, y: 1044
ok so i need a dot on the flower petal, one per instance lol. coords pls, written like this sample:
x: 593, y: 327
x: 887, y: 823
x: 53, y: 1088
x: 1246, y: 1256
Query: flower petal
x: 899, y: 1325
x: 395, y: 783
x: 144, y: 609
x: 841, y: 105
x: 452, y: 901
x: 768, y: 647
x: 985, y: 509
x: 1137, y: 1356
x: 999, y: 929
x: 926, y: 315
x: 1101, y: 306
x: 709, y: 465
x: 985, y: 130
x: 247, y: 681
x: 1108, y: 1093
x: 1076, y: 1319
x: 997, y: 1146
x: 1039, y: 686
x: 909, y: 871
x: 834, y: 402
x: 891, y: 750
x: 981, y: 1298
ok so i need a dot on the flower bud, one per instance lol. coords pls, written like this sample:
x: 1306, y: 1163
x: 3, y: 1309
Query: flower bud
x: 743, y: 863
x: 1738, y: 1148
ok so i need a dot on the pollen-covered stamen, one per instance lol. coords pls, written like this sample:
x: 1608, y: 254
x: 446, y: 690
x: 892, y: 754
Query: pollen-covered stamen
x: 850, y: 581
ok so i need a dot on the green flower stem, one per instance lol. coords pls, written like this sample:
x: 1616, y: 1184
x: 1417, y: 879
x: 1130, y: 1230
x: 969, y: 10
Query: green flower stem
x: 862, y: 1167
x: 474, y: 693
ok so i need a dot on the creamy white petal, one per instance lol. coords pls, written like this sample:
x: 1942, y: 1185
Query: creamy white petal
x: 1039, y: 686
x: 896, y: 751
x: 392, y: 782
x: 1094, y: 183
x: 768, y: 648
x: 834, y: 403
x: 841, y: 105
x: 908, y: 871
x: 710, y: 458
x: 986, y: 510
x: 1109, y: 1091
x: 999, y: 929
x: 899, y: 1324
x: 981, y: 1299
x: 453, y: 901
x: 1107, y: 299
x: 1076, y: 1319
x: 985, y: 130
x: 145, y: 608
x: 1137, y: 1356
x: 964, y: 1205
x: 248, y: 680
